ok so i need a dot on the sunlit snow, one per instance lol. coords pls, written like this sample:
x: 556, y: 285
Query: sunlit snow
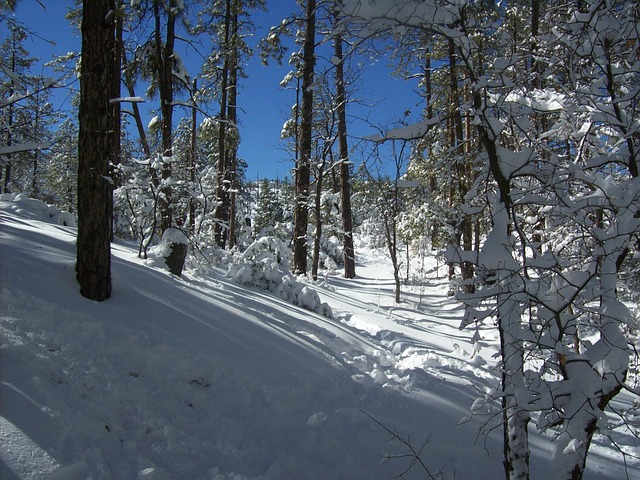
x: 203, y: 378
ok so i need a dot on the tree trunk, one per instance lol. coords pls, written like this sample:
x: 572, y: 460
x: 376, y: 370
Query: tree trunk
x: 192, y: 161
x: 117, y: 110
x: 95, y: 150
x: 232, y: 153
x: 391, y: 235
x: 318, y: 213
x: 6, y: 188
x: 301, y: 213
x: 178, y: 251
x: 515, y: 420
x: 222, y: 188
x: 345, y: 187
x: 165, y: 87
x: 136, y: 110
x: 462, y: 171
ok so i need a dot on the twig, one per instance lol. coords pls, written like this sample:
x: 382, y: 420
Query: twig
x: 413, y: 452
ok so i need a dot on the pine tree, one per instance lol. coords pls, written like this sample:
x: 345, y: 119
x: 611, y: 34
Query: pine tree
x: 95, y: 149
x: 303, y: 168
x: 269, y: 210
x: 26, y: 116
x: 345, y: 184
x: 60, y: 175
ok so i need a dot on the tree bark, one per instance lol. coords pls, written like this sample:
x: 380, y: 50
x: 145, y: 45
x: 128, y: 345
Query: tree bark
x: 457, y: 142
x: 318, y: 213
x: 165, y: 83
x: 232, y: 114
x: 135, y: 109
x: 117, y: 109
x: 345, y: 187
x: 9, y: 138
x: 95, y: 150
x: 303, y: 172
x: 222, y: 187
x: 192, y: 160
x: 178, y: 251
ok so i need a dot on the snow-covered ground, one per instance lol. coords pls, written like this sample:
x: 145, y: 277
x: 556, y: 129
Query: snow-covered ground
x: 201, y: 378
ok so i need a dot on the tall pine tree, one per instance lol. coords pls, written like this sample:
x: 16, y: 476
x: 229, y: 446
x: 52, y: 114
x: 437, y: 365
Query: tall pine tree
x: 95, y: 148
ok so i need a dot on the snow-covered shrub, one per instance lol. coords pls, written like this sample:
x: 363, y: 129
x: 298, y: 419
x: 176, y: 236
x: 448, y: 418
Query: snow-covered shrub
x: 261, y: 265
x: 265, y: 265
x: 331, y: 252
x: 135, y: 205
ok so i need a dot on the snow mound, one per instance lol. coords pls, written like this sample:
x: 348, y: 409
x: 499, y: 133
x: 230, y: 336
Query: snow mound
x: 35, y: 210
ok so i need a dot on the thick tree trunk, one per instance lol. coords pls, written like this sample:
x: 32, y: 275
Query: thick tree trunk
x: 165, y: 81
x: 232, y: 153
x: 178, y: 251
x: 318, y: 213
x: 95, y: 147
x: 303, y: 173
x: 221, y: 188
x: 345, y: 187
x: 457, y: 142
x: 515, y: 418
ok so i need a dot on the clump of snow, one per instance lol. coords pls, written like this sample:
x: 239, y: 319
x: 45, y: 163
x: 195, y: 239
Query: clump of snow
x: 154, y: 123
x: 158, y: 253
x: 175, y: 235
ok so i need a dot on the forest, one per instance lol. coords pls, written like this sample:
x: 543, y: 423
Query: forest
x: 521, y: 172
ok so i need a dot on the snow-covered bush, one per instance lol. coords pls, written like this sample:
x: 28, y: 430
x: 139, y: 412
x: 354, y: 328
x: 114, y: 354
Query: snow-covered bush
x: 135, y: 205
x: 261, y: 265
x: 331, y: 252
x: 265, y: 265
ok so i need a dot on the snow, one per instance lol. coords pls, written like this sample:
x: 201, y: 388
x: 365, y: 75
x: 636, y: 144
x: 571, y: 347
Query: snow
x: 201, y: 377
x: 155, y: 122
x: 23, y: 147
x: 127, y: 99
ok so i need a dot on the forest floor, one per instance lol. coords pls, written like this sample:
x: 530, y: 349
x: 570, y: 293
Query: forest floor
x: 201, y: 378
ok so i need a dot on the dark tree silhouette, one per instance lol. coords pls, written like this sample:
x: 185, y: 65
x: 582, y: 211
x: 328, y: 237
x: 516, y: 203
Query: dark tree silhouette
x: 95, y: 150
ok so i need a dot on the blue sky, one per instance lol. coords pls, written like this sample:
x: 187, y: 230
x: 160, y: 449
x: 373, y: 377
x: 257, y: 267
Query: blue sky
x: 264, y: 105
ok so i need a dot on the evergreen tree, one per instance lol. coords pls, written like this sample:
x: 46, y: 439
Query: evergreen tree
x: 345, y: 183
x: 303, y: 167
x: 60, y: 175
x: 95, y: 150
x: 26, y: 117
x: 269, y: 210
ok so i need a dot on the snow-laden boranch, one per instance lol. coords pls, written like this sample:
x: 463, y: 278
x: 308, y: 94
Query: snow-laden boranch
x: 204, y: 378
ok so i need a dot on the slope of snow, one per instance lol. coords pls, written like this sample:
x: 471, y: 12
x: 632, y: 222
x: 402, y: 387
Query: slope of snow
x: 200, y: 378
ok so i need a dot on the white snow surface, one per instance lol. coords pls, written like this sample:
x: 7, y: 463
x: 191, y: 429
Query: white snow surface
x: 201, y: 378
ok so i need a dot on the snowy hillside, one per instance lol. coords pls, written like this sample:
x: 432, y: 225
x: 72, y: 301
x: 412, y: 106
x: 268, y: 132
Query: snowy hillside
x: 200, y: 378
